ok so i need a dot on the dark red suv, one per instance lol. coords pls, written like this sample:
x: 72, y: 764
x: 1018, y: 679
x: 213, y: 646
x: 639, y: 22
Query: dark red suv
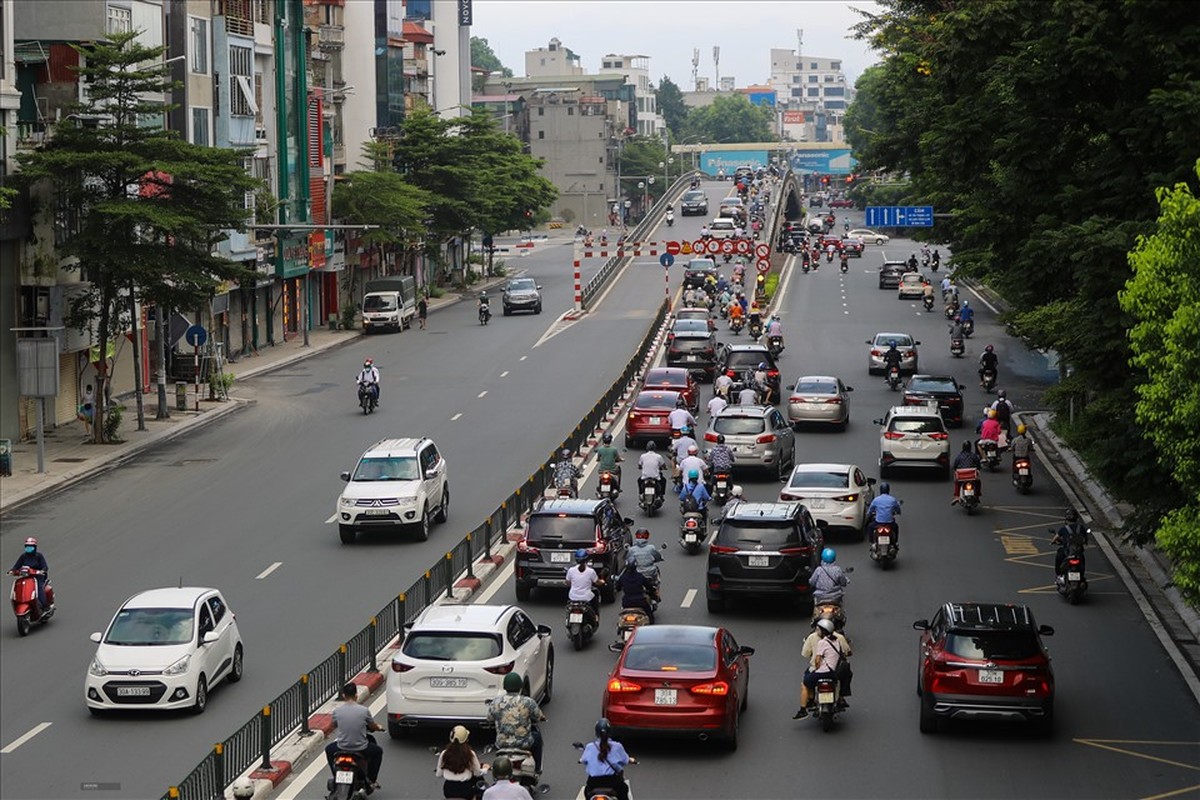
x: 674, y: 379
x: 648, y: 418
x: 984, y: 661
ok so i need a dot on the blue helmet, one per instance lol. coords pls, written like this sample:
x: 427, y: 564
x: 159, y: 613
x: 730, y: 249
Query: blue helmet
x: 828, y: 556
x: 891, y: 342
x: 581, y: 554
x: 885, y: 488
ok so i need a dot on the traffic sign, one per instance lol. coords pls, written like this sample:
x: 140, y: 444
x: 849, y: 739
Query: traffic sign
x: 673, y: 248
x: 713, y: 246
x: 743, y: 247
x: 196, y: 336
x: 762, y: 250
x: 763, y: 265
x: 698, y: 246
x: 899, y: 217
x: 728, y: 246
x: 685, y: 248
x: 666, y: 259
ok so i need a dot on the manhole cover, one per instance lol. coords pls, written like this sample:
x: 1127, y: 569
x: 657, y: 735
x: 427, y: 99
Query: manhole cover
x: 70, y: 460
x: 188, y: 461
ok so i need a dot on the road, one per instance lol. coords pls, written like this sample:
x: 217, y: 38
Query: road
x: 1115, y: 737
x: 220, y: 507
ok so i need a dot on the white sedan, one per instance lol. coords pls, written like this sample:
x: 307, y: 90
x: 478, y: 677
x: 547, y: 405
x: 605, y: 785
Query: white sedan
x: 835, y: 494
x: 869, y: 236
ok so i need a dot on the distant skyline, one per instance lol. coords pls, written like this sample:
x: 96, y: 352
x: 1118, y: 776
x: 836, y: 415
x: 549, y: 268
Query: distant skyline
x: 668, y: 30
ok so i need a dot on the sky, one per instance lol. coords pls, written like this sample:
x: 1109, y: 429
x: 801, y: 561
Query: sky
x: 669, y: 30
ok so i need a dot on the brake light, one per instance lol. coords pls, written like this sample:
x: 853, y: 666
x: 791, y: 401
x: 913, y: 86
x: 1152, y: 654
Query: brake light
x: 969, y: 487
x: 691, y: 523
x: 876, y: 352
x: 524, y: 547
x: 795, y: 399
x: 398, y: 667
x: 837, y: 401
x: 765, y: 438
x: 710, y: 437
x: 912, y: 401
x: 939, y: 437
x: 909, y: 353
x: 599, y: 547
x: 794, y: 551
x: 714, y: 689
x: 772, y: 373
x: 1074, y: 562
x: 786, y: 496
x: 721, y: 549
x: 846, y: 498
x: 892, y: 436
x: 619, y: 686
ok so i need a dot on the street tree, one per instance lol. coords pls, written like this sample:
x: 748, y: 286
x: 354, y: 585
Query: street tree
x: 669, y: 100
x: 731, y: 119
x: 1163, y: 300
x: 483, y: 57
x: 640, y: 158
x: 149, y: 208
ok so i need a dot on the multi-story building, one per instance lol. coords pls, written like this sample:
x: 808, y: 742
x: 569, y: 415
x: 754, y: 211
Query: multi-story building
x: 14, y: 229
x: 815, y: 91
x: 552, y: 61
x: 636, y: 71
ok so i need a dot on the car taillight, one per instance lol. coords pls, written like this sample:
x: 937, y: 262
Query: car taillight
x: 795, y: 399
x: 714, y: 689
x: 721, y: 549
x: 619, y: 686
x: 837, y: 401
x: 846, y: 498
x: 909, y: 353
x: 772, y: 373
x: 710, y: 437
x: 912, y: 401
x: 398, y: 667
x: 788, y: 496
x: 503, y: 669
x: 939, y: 437
x: 893, y: 436
x: 794, y: 551
x: 765, y: 438
x: 524, y: 547
x: 876, y: 352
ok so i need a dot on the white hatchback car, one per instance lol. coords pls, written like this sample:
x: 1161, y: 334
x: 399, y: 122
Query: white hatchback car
x: 869, y: 236
x: 913, y: 436
x: 454, y: 659
x: 396, y: 483
x: 836, y: 495
x: 165, y: 648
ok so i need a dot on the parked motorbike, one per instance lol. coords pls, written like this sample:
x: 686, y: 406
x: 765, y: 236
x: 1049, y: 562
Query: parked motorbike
x: 609, y: 485
x: 989, y: 453
x: 692, y: 531
x: 25, y: 605
x: 629, y: 620
x: 775, y: 345
x: 1022, y: 474
x: 989, y: 379
x: 582, y: 622
x: 967, y: 481
x: 368, y: 397
x: 957, y: 347
x: 884, y: 548
x: 485, y: 314
x: 893, y: 377
x: 349, y: 781
x: 721, y: 488
x: 1072, y: 581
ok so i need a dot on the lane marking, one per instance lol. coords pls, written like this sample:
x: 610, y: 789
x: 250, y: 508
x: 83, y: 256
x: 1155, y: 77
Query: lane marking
x: 25, y: 737
x: 268, y: 570
x: 1107, y: 744
x: 688, y: 598
x: 523, y: 358
x: 504, y: 374
x: 500, y: 580
x: 983, y: 300
x: 481, y: 394
x: 332, y: 517
x: 456, y: 416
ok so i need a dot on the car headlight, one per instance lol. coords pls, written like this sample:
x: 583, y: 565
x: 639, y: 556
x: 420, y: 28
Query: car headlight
x: 345, y: 501
x: 97, y: 669
x: 407, y: 501
x: 179, y: 667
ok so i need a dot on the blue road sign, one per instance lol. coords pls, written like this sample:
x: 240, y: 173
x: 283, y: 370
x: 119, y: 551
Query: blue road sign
x: 196, y: 336
x: 899, y: 217
x: 666, y: 259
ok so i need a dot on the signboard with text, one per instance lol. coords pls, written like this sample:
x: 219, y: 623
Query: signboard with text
x: 465, y: 16
x: 729, y: 160
x: 899, y: 216
x: 834, y: 161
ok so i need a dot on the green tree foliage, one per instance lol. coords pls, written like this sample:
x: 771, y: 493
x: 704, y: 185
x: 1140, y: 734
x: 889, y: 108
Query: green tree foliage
x: 1163, y: 299
x: 669, y: 100
x: 383, y: 198
x: 483, y: 57
x: 7, y: 193
x: 151, y: 208
x: 730, y: 119
x: 640, y: 156
x: 1044, y: 128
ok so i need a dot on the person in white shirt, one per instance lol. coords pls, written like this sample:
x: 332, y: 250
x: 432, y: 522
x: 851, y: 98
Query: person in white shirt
x: 693, y: 461
x: 682, y: 444
x: 369, y: 377
x: 458, y: 766
x: 680, y: 417
x: 723, y: 385
x: 581, y: 582
x: 716, y: 405
x: 748, y: 396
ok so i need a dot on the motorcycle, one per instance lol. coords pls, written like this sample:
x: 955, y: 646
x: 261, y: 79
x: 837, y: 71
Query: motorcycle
x: 893, y: 377
x: 670, y: 219
x: 650, y: 496
x: 845, y: 266
x: 349, y: 781
x: 564, y: 487
x: 582, y: 622
x: 523, y: 764
x: 967, y: 482
x: 1072, y: 583
x: 602, y: 792
x: 368, y: 397
x: 804, y: 267
x: 1022, y: 474
x: 721, y: 488
x: 736, y: 324
x: 989, y: 453
x: 828, y: 696
x: 581, y: 231
x: 629, y: 620
x: 957, y: 347
x: 928, y: 301
x: 989, y: 379
x: 25, y: 605
x: 831, y: 609
x: 775, y: 345
x: 883, y: 543
x: 692, y: 531
x: 485, y: 314
x: 755, y: 330
x: 609, y: 485
x: 968, y: 327
x: 951, y: 309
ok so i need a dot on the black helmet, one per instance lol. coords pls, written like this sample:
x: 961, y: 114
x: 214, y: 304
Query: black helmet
x: 1071, y: 515
x: 502, y: 768
x: 720, y: 438
x: 966, y: 446
x: 607, y: 438
x: 651, y: 446
x: 602, y: 727
x: 679, y: 402
x: 885, y: 488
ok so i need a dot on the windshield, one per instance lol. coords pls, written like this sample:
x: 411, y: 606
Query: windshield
x: 452, y: 646
x: 692, y: 344
x: 139, y: 627
x: 656, y: 401
x: 544, y: 528
x: 731, y: 201
x: 901, y: 340
x: 816, y: 387
x: 691, y: 324
x: 739, y: 426
x: 933, y: 385
x: 701, y: 263
x: 821, y: 480
x: 693, y: 196
x: 522, y: 285
x: 929, y: 425
x: 993, y: 645
x: 746, y: 534
x: 394, y: 468
x: 671, y: 657
x: 379, y: 302
x: 747, y: 359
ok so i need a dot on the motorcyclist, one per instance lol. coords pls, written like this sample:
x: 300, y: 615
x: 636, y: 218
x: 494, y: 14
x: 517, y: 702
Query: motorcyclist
x: 736, y: 313
x: 1021, y: 445
x: 506, y: 786
x: 1004, y: 411
x: 652, y: 466
x: 1072, y: 533
x: 32, y: 558
x: 720, y: 457
x: 891, y: 357
x: 883, y: 511
x: 690, y: 297
x: 755, y: 315
x: 683, y: 444
x: 736, y: 495
x: 694, y: 496
x: 828, y: 580
x: 809, y: 651
x: 743, y: 301
x: 845, y: 261
x: 956, y: 332
x: 775, y: 329
x: 937, y: 259
x: 368, y: 378
x: 722, y: 284
x: 927, y: 293
x: 967, y: 313
x: 723, y: 386
x: 581, y: 582
x: 484, y: 305
x: 604, y: 760
x: 608, y: 458
x: 643, y: 556
x: 354, y: 724
x: 516, y: 717
x: 967, y: 458
x: 748, y: 396
x: 989, y: 360
x: 716, y: 405
x: 990, y: 430
x: 704, y: 234
x: 565, y: 471
x: 692, y: 462
x: 680, y: 417
x: 912, y: 263
x: 670, y: 216
x: 760, y: 382
x: 826, y: 658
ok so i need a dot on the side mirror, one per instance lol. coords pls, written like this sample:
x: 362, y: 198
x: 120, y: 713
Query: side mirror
x: 627, y: 520
x: 791, y: 387
x: 210, y: 637
x: 866, y: 341
x: 96, y: 637
x: 871, y: 481
x: 849, y: 388
x: 544, y: 630
x: 915, y: 344
x: 921, y: 625
x: 876, y: 421
x: 539, y: 287
x: 848, y: 570
x: 345, y: 476
x: 746, y: 651
x: 1045, y: 630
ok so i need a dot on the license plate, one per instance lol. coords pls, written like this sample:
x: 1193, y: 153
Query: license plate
x: 691, y: 538
x: 625, y: 634
x: 1023, y: 471
x: 665, y: 697
x: 1074, y: 576
x: 344, y: 776
x: 693, y: 358
x: 560, y: 558
x: 991, y: 676
x: 656, y: 420
x: 884, y: 540
x: 648, y: 491
x: 575, y: 618
x: 376, y: 512
x: 605, y: 488
x: 815, y: 503
x: 133, y: 691
x: 968, y: 492
x: 447, y: 683
x: 824, y: 698
x: 722, y: 484
x: 758, y: 561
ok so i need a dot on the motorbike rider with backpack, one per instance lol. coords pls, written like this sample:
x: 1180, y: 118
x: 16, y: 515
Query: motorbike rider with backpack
x: 1071, y: 533
x: 368, y: 379
x: 828, y: 580
x: 644, y: 557
x: 827, y: 657
x: 1004, y: 409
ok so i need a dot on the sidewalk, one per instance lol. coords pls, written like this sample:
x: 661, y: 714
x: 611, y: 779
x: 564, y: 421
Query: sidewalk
x: 70, y: 457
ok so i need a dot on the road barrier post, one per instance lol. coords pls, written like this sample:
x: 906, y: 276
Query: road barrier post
x: 304, y: 700
x: 265, y: 727
x: 342, y: 667
x: 372, y: 643
x: 219, y: 763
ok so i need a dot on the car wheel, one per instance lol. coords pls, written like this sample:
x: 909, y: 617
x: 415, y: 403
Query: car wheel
x: 538, y: 310
x: 443, y: 507
x: 745, y: 695
x: 235, y: 669
x: 346, y: 534
x: 201, y: 701
x: 1044, y: 727
x: 548, y: 689
x: 396, y: 731
x: 731, y: 741
x: 423, y: 524
x: 879, y: 241
x: 929, y: 720
x: 507, y: 312
x: 629, y: 443
x: 716, y: 604
x: 524, y: 590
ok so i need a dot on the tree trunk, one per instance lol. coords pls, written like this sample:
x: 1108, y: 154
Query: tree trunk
x: 137, y: 361
x: 101, y: 412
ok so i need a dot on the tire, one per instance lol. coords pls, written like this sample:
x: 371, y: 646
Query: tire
x: 397, y: 732
x: 929, y: 721
x: 731, y: 741
x: 885, y: 564
x: 201, y: 701
x: 745, y: 697
x: 524, y: 590
x: 1044, y: 727
x: 538, y: 310
x: 507, y: 312
x: 575, y: 631
x: 827, y: 722
x: 423, y: 524
x: 716, y: 605
x: 443, y: 507
x: 548, y: 689
x: 346, y: 534
x: 237, y: 667
x: 608, y: 594
x: 23, y: 625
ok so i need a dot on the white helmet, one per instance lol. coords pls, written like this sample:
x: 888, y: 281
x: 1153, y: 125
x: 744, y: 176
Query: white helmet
x: 736, y: 491
x: 826, y: 625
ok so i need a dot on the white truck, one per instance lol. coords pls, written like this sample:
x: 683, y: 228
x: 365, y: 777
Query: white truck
x: 389, y: 304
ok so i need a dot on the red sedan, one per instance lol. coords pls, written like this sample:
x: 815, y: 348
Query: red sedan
x: 675, y: 379
x: 841, y: 202
x: 679, y: 680
x: 647, y: 419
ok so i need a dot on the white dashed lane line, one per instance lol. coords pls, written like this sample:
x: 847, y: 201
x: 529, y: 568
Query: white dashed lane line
x: 25, y: 737
x: 456, y: 416
x: 504, y: 374
x: 268, y: 570
x: 481, y: 394
x: 331, y: 519
x: 688, y: 598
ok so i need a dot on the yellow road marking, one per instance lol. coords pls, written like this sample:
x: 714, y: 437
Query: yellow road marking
x: 1175, y: 793
x: 1106, y: 744
x: 1019, y: 545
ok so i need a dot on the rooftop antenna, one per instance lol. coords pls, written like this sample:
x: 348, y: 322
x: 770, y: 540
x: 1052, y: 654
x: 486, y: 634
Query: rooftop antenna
x: 717, y: 64
x: 799, y: 42
x: 695, y: 68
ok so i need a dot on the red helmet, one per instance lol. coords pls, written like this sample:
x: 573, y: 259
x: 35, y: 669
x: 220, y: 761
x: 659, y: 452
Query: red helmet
x: 29, y: 540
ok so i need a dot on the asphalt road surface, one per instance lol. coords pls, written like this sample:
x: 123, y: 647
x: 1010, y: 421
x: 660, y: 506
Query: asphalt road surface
x: 1126, y: 726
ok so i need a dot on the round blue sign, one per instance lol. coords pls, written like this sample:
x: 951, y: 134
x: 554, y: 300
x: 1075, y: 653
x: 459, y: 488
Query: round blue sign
x: 196, y: 336
x: 666, y: 259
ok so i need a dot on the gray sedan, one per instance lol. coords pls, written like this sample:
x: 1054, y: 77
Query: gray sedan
x: 758, y: 435
x: 819, y: 398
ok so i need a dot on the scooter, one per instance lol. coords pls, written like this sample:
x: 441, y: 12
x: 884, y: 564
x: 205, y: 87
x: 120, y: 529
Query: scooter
x: 349, y: 781
x: 755, y: 330
x: 967, y: 481
x: 804, y: 266
x: 1072, y: 583
x: 582, y: 622
x: 609, y: 485
x: 28, y: 610
x: 989, y: 380
x: 968, y: 327
x: 845, y: 266
x: 564, y: 487
x: 1022, y: 474
x: 831, y: 609
x: 485, y: 314
x: 721, y: 488
x: 524, y: 767
x: 884, y: 548
x: 670, y: 219
x: 692, y: 530
x: 368, y: 398
x: 650, y: 496
x: 989, y: 453
x: 893, y: 378
x: 736, y: 324
x: 775, y: 345
x: 928, y: 301
x: 601, y: 792
x: 957, y: 347
x: 629, y: 620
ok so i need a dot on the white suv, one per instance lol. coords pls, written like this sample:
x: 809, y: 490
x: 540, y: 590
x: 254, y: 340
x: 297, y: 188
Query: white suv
x: 396, y: 483
x: 913, y: 436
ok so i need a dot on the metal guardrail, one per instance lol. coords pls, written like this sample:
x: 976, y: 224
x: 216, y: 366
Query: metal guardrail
x: 251, y: 743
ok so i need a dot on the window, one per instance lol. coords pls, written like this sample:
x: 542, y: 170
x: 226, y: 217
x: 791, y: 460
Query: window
x: 120, y: 20
x: 795, y: 79
x: 813, y: 78
x: 835, y: 91
x: 541, y: 134
x: 200, y: 121
x: 797, y: 92
x: 813, y: 65
x: 241, y: 73
x: 206, y: 623
x: 829, y: 79
x: 814, y: 92
x: 199, y: 36
x: 217, y: 607
x: 541, y: 112
x: 520, y: 630
x: 570, y: 111
x: 835, y: 65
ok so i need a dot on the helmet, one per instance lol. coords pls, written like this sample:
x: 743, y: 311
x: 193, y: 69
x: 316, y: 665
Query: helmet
x: 460, y: 734
x: 1071, y: 515
x: 679, y: 402
x: 991, y: 413
x: 720, y: 438
x: 693, y: 450
x: 966, y: 447
x: 826, y: 625
x: 367, y: 363
x: 565, y: 453
x: 1001, y: 394
x: 651, y: 446
x: 581, y: 554
x: 891, y: 342
x: 686, y: 430
x: 966, y: 303
x: 828, y: 556
x: 30, y: 541
x: 513, y: 682
x: 607, y: 438
x: 885, y: 488
x: 602, y: 727
x: 1021, y: 430
x: 242, y: 788
x: 502, y: 768
x: 988, y: 349
x: 762, y: 365
x: 483, y: 294
x: 641, y: 533
x: 736, y: 491
x: 693, y: 474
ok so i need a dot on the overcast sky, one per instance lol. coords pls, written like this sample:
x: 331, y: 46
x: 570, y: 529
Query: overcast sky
x: 668, y: 31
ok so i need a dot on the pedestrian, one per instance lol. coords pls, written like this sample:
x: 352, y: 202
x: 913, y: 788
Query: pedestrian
x: 422, y: 311
x: 87, y: 409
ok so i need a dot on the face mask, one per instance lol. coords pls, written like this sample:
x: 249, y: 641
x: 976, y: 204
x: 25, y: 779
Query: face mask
x: 30, y: 549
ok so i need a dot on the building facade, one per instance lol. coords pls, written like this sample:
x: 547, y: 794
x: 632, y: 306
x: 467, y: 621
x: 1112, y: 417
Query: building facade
x: 813, y: 94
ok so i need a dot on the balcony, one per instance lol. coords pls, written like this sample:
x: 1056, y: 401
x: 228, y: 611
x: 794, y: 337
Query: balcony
x: 332, y: 37
x: 417, y: 66
x: 31, y: 135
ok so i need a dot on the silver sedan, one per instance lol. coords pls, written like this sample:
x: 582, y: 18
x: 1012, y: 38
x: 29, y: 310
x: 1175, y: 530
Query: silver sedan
x: 879, y: 345
x: 819, y: 398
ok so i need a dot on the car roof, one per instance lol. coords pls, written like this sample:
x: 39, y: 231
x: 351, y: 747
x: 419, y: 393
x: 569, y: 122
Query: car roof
x: 576, y: 507
x: 829, y: 378
x: 746, y: 348
x: 170, y: 597
x: 736, y: 410
x: 923, y: 410
x: 402, y: 446
x: 701, y: 263
x: 988, y: 616
x: 821, y: 467
x: 666, y: 374
x: 656, y: 392
x: 753, y: 511
x: 895, y: 263
x: 891, y: 334
x: 925, y: 377
x: 676, y: 634
x: 480, y: 617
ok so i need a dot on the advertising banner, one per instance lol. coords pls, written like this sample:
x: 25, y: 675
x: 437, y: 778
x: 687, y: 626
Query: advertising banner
x: 729, y: 160
x: 793, y: 118
x: 825, y: 162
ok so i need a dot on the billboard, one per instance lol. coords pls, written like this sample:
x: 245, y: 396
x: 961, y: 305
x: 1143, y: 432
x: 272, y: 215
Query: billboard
x: 729, y: 160
x: 827, y: 162
x: 793, y: 118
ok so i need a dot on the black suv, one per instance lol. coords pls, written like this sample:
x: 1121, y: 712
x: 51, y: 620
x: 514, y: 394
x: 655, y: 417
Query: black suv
x: 735, y: 359
x: 890, y: 274
x: 697, y: 272
x: 693, y: 202
x: 763, y: 549
x: 558, y: 528
x: 695, y: 351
